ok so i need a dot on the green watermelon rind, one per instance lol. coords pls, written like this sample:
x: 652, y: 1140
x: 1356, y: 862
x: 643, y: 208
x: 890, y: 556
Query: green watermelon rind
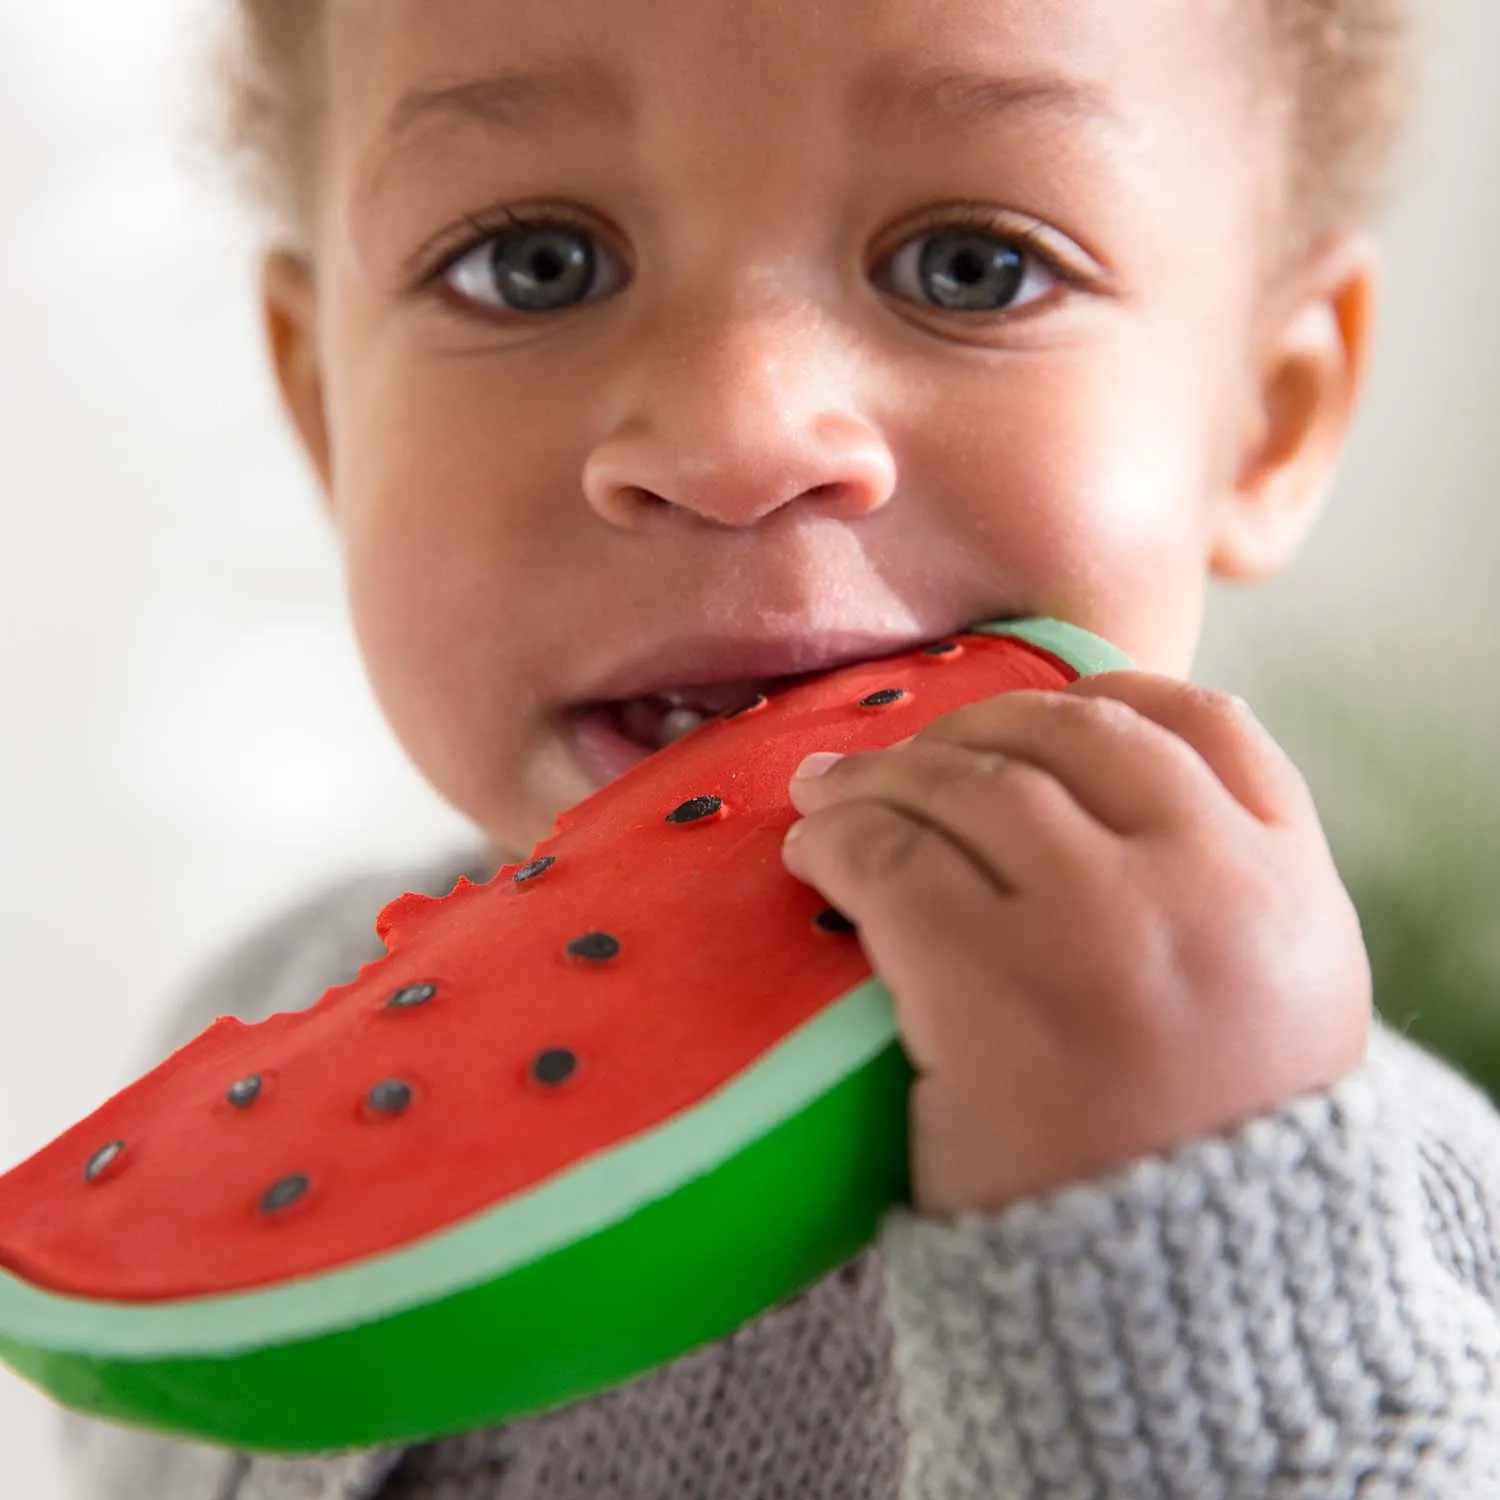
x: 574, y: 1267
x: 1087, y: 654
x: 306, y: 1367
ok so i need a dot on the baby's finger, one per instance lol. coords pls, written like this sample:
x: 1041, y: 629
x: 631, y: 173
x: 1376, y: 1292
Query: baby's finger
x: 1126, y: 771
x: 1241, y: 752
x: 932, y: 923
x: 1014, y: 821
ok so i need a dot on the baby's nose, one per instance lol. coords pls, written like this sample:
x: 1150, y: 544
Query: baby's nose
x: 735, y: 427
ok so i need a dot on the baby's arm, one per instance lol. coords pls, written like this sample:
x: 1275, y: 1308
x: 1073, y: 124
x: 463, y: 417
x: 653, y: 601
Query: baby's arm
x: 1115, y: 934
x: 1309, y: 1307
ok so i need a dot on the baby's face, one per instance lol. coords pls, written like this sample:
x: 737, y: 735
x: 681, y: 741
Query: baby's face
x: 795, y: 350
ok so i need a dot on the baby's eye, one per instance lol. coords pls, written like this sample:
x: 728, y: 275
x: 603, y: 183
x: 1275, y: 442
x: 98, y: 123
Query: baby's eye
x: 531, y: 269
x: 964, y: 269
x: 546, y: 267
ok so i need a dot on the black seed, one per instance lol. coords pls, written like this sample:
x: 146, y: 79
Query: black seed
x: 758, y: 701
x: 413, y: 994
x: 535, y: 868
x: 284, y: 1193
x: 244, y: 1093
x: 830, y: 919
x: 389, y: 1097
x: 884, y: 696
x: 597, y: 947
x: 942, y: 648
x: 101, y: 1159
x: 695, y: 809
x: 554, y: 1066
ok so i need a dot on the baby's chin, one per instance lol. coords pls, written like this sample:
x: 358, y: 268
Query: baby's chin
x: 520, y: 812
x: 575, y: 757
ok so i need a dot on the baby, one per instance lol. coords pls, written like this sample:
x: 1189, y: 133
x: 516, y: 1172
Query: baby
x: 649, y: 349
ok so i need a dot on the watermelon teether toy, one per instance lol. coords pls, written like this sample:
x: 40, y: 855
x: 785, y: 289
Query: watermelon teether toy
x: 578, y: 1121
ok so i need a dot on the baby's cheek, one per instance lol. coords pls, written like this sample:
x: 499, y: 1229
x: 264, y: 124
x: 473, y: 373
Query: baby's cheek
x: 1087, y: 474
x: 1141, y: 576
x: 1141, y: 493
x: 1114, y: 542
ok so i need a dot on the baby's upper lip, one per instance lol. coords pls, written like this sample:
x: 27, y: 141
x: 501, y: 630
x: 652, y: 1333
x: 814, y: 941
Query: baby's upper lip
x: 679, y: 665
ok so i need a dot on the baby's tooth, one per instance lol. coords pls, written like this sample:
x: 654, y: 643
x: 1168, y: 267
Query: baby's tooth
x: 678, y: 722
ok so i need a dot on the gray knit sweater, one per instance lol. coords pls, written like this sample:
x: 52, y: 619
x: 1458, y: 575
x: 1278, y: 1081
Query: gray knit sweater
x: 1307, y: 1310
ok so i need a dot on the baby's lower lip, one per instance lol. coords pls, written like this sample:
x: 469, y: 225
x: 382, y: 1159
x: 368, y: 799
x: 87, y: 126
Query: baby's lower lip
x: 600, y: 746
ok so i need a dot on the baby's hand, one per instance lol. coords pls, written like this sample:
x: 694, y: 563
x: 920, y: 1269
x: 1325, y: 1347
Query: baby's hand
x: 1110, y: 921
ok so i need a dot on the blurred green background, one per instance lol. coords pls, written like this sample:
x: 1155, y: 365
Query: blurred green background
x: 1388, y: 739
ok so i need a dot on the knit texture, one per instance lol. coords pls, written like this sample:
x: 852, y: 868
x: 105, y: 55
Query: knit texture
x: 801, y: 1404
x: 1263, y: 1315
x: 1306, y: 1310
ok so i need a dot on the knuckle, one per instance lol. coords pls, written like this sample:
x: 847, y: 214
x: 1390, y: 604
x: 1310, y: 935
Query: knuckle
x: 1096, y: 710
x: 984, y: 783
x: 953, y: 769
x: 1000, y: 778
x: 1212, y: 703
x: 1030, y: 789
x: 957, y: 787
x: 1094, y: 714
x: 878, y: 843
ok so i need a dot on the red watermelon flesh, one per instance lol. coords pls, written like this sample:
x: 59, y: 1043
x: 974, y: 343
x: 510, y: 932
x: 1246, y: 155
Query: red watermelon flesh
x: 652, y: 949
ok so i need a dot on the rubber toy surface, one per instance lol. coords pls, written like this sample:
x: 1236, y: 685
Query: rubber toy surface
x: 578, y: 1121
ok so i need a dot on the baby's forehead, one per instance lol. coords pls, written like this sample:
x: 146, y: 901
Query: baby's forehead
x: 1103, y: 42
x: 1153, y: 67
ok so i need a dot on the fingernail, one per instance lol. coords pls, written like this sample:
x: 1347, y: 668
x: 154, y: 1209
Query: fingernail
x: 794, y: 832
x: 815, y: 765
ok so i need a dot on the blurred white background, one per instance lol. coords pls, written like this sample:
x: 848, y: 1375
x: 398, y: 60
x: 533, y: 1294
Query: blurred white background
x: 187, y: 737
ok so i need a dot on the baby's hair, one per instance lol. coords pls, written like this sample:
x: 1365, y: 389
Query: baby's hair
x: 1341, y: 72
x: 1347, y: 73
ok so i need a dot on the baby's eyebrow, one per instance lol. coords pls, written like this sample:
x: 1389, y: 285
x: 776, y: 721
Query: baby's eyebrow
x: 962, y: 97
x: 518, y: 98
x: 528, y: 97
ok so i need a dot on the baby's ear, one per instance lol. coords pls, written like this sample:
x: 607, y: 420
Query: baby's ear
x: 1310, y: 358
x: 289, y: 308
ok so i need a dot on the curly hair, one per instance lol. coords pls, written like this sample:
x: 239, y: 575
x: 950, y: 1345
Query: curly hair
x: 1342, y: 73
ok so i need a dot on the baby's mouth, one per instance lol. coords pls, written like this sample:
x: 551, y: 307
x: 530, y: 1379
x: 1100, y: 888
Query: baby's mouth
x: 655, y: 721
x: 663, y: 693
x: 610, y: 738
